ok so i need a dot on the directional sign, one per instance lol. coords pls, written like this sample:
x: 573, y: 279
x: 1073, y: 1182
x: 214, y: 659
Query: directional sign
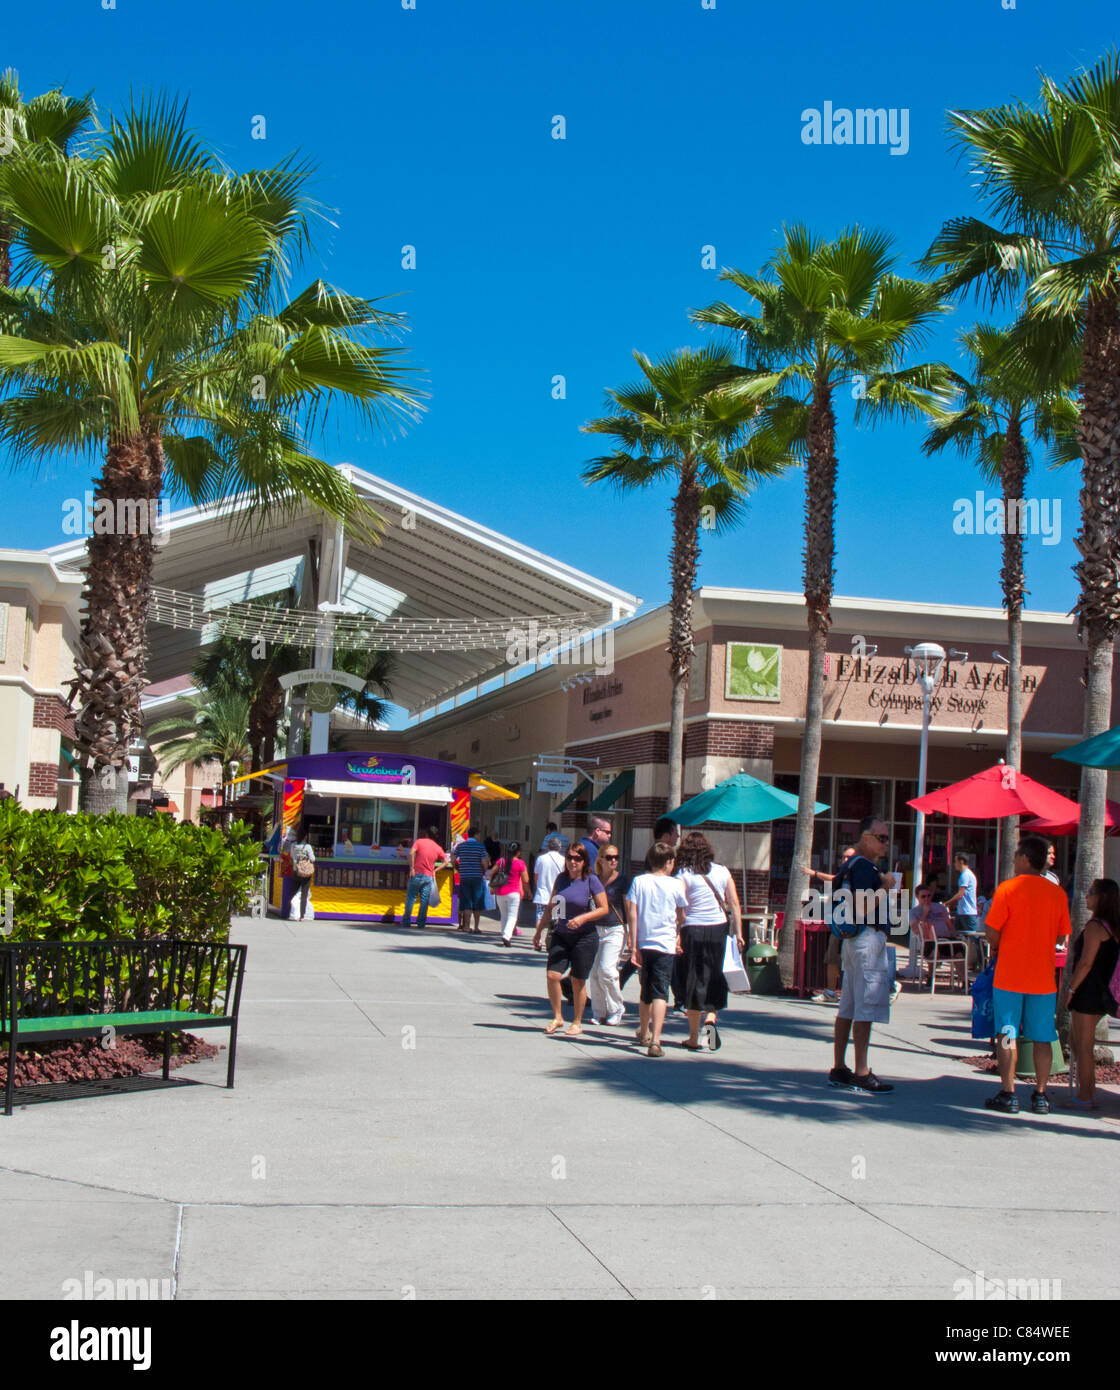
x: 555, y: 783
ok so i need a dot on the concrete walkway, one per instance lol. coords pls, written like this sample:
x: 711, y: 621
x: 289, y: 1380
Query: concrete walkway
x: 402, y: 1127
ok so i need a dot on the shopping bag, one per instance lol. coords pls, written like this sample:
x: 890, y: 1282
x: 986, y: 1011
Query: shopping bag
x: 738, y: 981
x: 488, y: 901
x: 983, y: 1017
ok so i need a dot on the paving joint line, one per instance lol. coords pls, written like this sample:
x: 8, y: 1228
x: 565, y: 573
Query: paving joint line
x: 600, y: 1262
x: 850, y: 1201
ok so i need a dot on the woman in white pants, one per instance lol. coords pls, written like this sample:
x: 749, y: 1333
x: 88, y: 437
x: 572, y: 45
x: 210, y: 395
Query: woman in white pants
x: 602, y: 985
x: 509, y: 894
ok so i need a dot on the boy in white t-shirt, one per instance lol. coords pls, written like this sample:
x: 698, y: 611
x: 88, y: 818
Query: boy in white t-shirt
x: 655, y: 908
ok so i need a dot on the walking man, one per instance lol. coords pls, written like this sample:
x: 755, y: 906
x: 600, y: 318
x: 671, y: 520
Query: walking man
x: 655, y: 910
x: 1027, y: 918
x: 598, y: 835
x: 865, y: 996
x: 424, y: 858
x: 472, y: 861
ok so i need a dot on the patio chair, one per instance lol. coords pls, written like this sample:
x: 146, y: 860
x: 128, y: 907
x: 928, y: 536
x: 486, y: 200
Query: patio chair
x: 947, y: 950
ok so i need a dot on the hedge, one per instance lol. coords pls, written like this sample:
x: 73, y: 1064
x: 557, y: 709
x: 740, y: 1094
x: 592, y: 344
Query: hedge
x: 82, y: 877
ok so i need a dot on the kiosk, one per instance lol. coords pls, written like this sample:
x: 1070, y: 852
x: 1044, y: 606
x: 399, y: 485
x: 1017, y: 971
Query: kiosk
x: 362, y: 812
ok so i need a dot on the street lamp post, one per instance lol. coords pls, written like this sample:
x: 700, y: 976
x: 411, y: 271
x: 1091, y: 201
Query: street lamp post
x: 929, y: 660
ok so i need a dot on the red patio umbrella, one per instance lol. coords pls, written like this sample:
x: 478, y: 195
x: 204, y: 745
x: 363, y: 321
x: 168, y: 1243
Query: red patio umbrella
x: 1069, y: 827
x: 998, y: 791
x: 994, y: 793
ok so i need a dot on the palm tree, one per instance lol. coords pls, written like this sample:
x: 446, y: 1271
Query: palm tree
x: 679, y: 422
x: 157, y: 335
x: 833, y: 317
x: 218, y: 730
x: 47, y: 123
x: 1007, y: 396
x: 1049, y: 177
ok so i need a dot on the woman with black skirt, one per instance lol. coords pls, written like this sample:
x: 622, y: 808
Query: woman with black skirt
x: 711, y: 915
x: 1094, y: 959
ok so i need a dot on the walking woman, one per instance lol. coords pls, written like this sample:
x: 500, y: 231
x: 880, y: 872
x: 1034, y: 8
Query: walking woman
x: 603, y: 986
x: 509, y: 882
x: 1094, y: 959
x: 303, y: 874
x: 711, y: 914
x: 577, y: 903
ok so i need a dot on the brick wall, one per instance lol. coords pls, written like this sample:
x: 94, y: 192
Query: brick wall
x: 729, y: 738
x: 758, y: 888
x: 51, y: 712
x: 628, y: 750
x: 42, y: 779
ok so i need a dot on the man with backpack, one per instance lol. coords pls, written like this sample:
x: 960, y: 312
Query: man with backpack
x: 865, y: 997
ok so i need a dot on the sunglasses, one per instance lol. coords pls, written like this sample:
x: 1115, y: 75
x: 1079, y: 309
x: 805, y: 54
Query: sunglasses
x: 883, y: 839
x: 610, y: 856
x: 577, y: 857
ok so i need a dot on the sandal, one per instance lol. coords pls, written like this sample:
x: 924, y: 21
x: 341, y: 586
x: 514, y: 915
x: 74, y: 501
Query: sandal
x: 1076, y: 1103
x: 711, y: 1037
x: 555, y: 1025
x: 643, y: 1038
x: 692, y: 1047
x: 573, y: 1030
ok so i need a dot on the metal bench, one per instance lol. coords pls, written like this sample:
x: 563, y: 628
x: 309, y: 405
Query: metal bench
x: 84, y: 989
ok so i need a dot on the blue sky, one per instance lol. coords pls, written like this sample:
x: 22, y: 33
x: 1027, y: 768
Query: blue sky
x: 537, y: 257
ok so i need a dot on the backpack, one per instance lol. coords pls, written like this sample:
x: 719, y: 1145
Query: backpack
x: 844, y: 930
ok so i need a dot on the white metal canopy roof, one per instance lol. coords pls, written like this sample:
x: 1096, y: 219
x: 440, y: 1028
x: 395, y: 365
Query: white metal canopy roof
x: 431, y: 564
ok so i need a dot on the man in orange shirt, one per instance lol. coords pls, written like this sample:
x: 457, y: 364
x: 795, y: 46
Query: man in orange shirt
x: 1027, y: 918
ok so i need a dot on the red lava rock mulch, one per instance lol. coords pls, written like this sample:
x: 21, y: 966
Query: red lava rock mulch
x: 1106, y: 1076
x: 89, y: 1061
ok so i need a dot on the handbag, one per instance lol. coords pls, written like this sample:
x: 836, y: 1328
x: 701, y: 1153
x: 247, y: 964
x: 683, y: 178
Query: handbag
x: 738, y: 981
x: 723, y: 907
x: 306, y: 866
x: 500, y: 874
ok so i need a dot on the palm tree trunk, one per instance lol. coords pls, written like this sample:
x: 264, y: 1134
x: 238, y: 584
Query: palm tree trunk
x: 5, y: 254
x: 1013, y: 473
x: 113, y: 646
x: 264, y: 717
x: 1098, y: 571
x: 683, y: 561
x: 820, y: 518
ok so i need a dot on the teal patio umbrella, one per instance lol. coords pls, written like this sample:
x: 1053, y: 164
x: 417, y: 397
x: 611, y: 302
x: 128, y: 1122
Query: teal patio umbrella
x: 1102, y: 750
x: 741, y: 800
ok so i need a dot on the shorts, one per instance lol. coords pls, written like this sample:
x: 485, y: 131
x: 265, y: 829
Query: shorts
x: 1024, y: 1015
x: 575, y: 949
x: 472, y: 894
x: 656, y: 974
x: 865, y: 996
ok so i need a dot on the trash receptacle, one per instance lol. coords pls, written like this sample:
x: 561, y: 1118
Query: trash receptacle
x: 761, y: 964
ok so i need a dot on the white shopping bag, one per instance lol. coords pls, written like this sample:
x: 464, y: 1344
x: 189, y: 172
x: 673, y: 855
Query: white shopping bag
x: 738, y: 981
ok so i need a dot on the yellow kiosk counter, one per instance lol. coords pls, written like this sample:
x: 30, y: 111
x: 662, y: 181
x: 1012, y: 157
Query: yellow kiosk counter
x: 360, y: 813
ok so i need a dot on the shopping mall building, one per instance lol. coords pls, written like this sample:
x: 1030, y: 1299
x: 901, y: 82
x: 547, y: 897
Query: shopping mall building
x: 600, y: 706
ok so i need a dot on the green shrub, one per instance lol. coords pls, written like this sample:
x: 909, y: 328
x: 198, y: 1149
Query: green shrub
x: 81, y: 877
